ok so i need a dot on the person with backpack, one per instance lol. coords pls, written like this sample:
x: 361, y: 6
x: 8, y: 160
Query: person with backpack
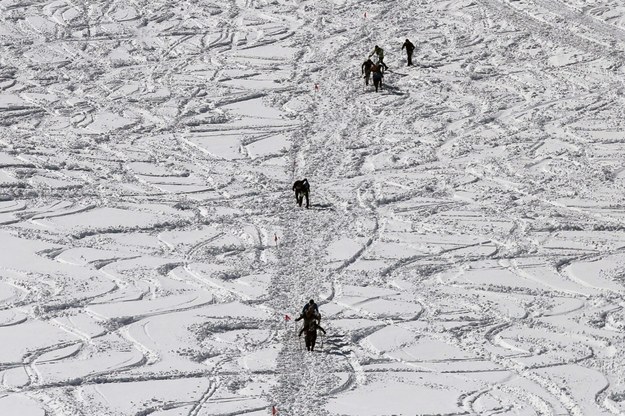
x: 302, y: 190
x: 310, y: 328
x: 366, y: 70
x: 409, y: 50
x: 380, y: 53
x: 311, y: 304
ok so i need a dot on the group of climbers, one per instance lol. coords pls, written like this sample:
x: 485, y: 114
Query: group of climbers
x: 375, y: 70
x: 370, y: 70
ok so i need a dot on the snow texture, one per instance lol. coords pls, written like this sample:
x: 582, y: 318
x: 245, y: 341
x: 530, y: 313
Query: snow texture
x: 465, y: 240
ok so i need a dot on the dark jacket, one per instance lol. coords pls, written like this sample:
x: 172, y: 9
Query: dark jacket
x: 366, y: 66
x: 408, y: 45
x: 308, y: 305
x: 301, y: 186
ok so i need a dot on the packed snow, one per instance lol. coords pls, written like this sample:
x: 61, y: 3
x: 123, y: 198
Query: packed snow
x: 465, y: 240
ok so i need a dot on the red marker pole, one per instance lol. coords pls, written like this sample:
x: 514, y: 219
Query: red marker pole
x: 365, y: 15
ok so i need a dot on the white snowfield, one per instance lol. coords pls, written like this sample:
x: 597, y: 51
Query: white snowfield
x: 465, y: 240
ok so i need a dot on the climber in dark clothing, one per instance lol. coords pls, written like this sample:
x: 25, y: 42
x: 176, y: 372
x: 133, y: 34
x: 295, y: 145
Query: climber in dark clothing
x: 311, y: 318
x: 378, y: 75
x: 315, y: 309
x: 366, y: 70
x: 409, y: 50
x: 302, y: 190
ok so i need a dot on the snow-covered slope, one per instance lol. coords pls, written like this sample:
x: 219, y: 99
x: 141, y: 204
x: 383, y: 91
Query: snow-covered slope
x: 465, y: 241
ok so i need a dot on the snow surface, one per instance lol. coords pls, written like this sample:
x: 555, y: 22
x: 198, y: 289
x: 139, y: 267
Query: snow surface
x: 465, y: 240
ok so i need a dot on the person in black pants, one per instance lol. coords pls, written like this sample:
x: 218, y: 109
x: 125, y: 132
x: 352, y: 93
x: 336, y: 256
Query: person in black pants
x: 366, y: 70
x: 378, y: 75
x: 302, y: 189
x: 409, y: 50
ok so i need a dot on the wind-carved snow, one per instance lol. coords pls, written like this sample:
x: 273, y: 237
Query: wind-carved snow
x: 464, y: 240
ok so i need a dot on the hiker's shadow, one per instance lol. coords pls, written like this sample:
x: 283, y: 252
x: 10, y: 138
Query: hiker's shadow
x: 322, y: 207
x: 335, y: 344
x: 393, y: 90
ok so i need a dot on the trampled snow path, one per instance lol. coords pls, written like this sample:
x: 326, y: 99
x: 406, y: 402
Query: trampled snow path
x: 465, y: 240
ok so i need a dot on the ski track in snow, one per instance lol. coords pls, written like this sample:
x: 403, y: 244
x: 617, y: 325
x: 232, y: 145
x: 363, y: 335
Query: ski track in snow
x: 465, y: 238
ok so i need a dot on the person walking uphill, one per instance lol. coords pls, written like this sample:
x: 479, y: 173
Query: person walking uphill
x: 310, y: 328
x: 377, y: 76
x: 313, y: 307
x: 366, y: 70
x: 409, y: 50
x: 312, y: 318
x: 380, y: 53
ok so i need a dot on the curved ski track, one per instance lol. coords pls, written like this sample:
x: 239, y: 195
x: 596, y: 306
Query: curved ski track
x: 479, y: 195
